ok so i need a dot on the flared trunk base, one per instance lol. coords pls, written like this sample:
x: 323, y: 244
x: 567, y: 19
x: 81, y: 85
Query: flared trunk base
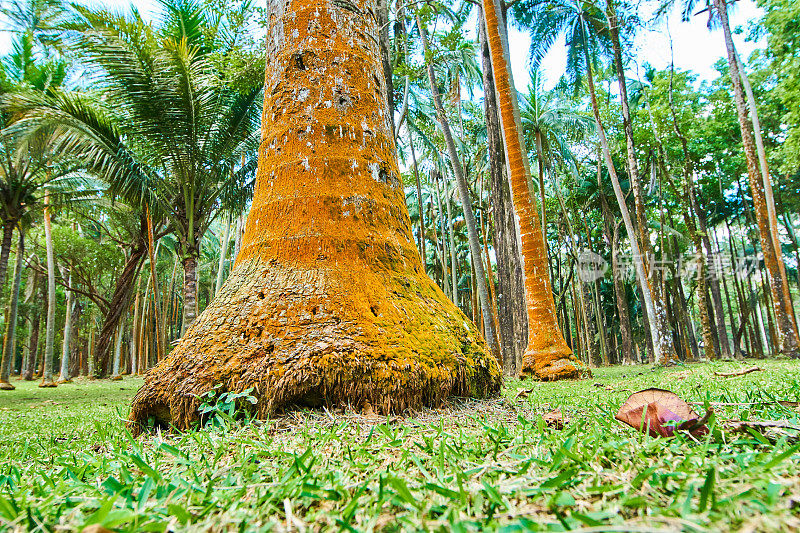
x: 330, y: 335
x: 48, y: 385
x: 550, y: 365
x: 4, y: 385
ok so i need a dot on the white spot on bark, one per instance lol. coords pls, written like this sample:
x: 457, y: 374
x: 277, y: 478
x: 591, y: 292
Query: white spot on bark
x: 375, y: 169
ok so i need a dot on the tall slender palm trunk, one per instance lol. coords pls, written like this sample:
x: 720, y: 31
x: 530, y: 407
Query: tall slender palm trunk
x: 611, y: 233
x: 443, y: 221
x: 643, y: 234
x: 5, y: 250
x: 421, y: 238
x: 451, y: 239
x: 237, y: 242
x: 769, y: 197
x: 9, y: 346
x: 50, y: 327
x: 511, y: 309
x: 788, y: 339
x: 466, y: 204
x: 547, y: 354
x: 189, y: 292
x: 663, y: 350
x: 65, y: 346
x: 33, y: 339
x: 117, y: 353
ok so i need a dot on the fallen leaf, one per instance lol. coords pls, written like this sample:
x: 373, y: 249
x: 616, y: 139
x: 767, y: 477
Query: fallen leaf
x: 524, y: 393
x: 660, y: 413
x: 555, y: 419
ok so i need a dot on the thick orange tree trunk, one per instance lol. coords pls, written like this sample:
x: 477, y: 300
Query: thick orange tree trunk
x: 328, y: 302
x: 547, y: 355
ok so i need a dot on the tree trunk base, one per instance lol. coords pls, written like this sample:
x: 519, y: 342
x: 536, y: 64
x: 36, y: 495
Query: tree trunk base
x: 115, y: 378
x: 550, y: 365
x: 63, y: 381
x: 321, y: 335
x: 5, y: 385
x: 48, y: 385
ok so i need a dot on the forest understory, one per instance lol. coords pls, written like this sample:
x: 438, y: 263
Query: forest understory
x: 492, y: 463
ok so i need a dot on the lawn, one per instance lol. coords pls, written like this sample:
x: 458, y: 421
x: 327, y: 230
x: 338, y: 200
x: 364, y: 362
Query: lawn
x: 66, y: 462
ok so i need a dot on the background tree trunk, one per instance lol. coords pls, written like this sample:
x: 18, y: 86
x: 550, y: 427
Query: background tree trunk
x: 50, y: 327
x: 513, y: 322
x: 466, y: 204
x: 662, y: 345
x: 223, y: 252
x: 65, y: 351
x: 788, y: 340
x: 189, y: 291
x: 547, y: 354
x: 10, y: 340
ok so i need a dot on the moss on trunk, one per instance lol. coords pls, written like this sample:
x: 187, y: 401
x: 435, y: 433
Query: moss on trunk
x: 328, y: 303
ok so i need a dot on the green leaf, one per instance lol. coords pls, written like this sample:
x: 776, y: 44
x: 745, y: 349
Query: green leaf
x: 179, y: 512
x: 400, y: 487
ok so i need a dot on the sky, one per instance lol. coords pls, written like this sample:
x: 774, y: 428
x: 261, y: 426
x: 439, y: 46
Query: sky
x: 694, y: 47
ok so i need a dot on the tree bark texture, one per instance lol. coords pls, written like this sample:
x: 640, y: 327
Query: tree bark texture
x: 512, y: 318
x: 547, y: 354
x: 328, y: 303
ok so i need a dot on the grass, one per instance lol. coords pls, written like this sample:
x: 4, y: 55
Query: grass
x: 67, y: 462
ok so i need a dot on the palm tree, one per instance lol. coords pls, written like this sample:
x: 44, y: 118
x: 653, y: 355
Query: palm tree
x: 547, y: 354
x: 65, y: 345
x: 85, y: 130
x: 183, y: 118
x: 586, y: 29
x: 50, y: 327
x: 511, y: 308
x: 328, y: 303
x: 549, y: 123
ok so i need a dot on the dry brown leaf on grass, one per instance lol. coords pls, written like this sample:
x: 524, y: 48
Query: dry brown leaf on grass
x: 660, y: 413
x: 555, y: 419
x: 524, y: 393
